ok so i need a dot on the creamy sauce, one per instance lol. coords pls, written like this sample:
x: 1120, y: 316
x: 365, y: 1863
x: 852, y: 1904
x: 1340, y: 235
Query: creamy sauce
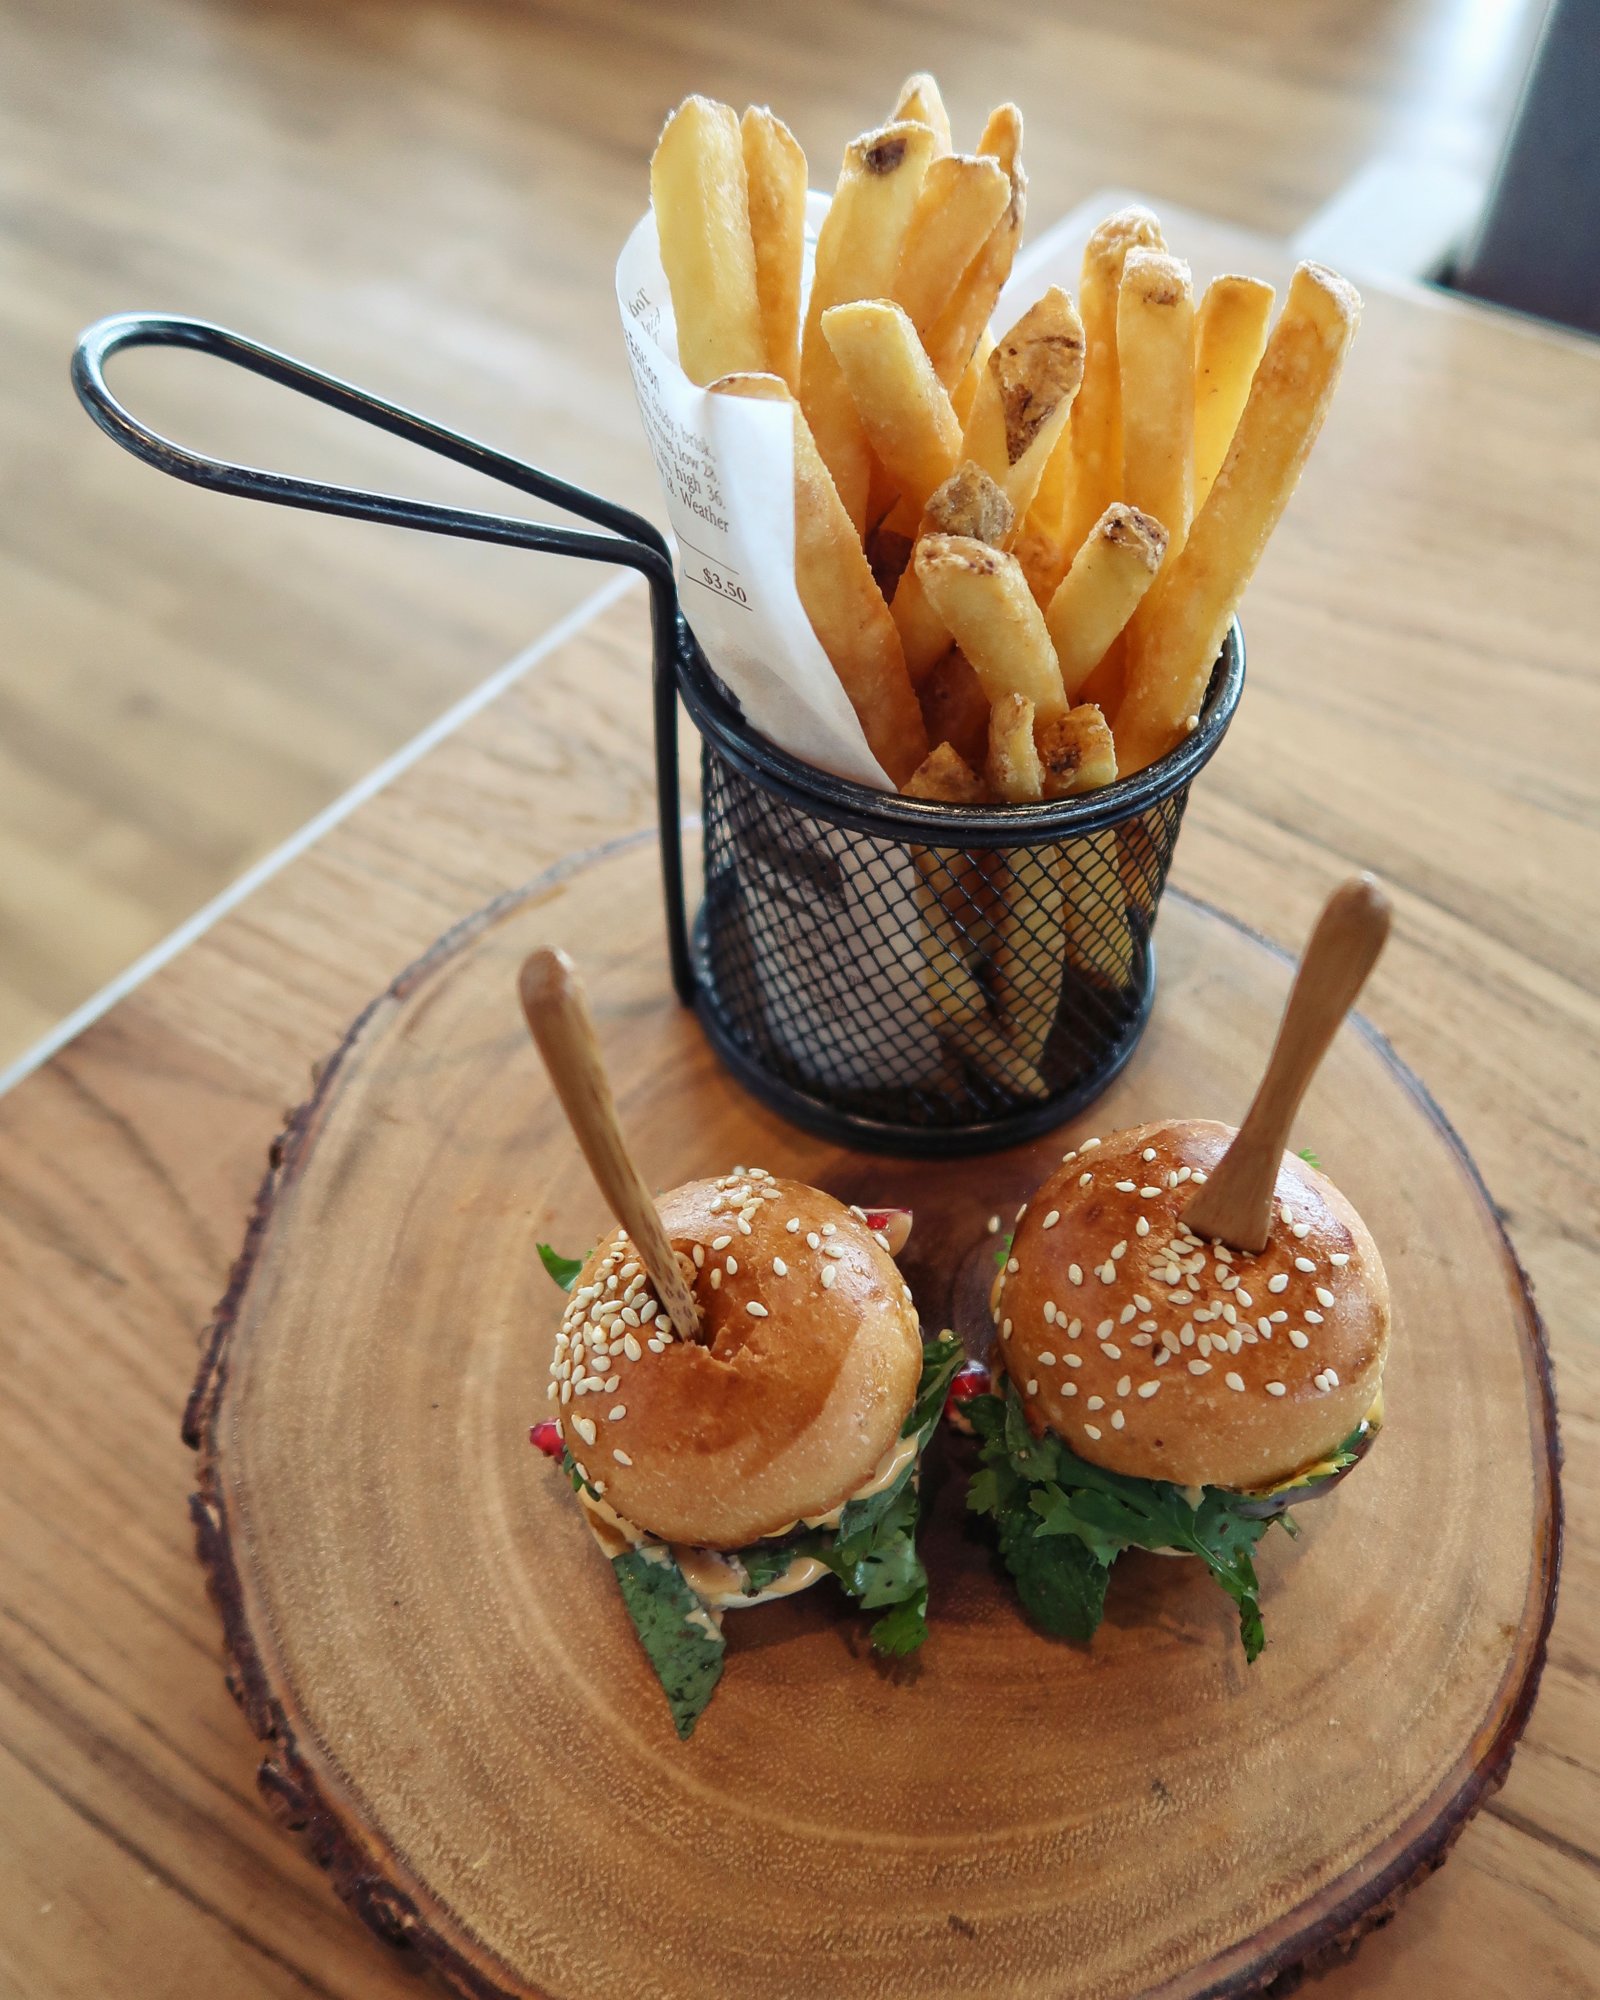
x: 716, y: 1578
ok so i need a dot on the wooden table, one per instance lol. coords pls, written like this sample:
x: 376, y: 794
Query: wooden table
x: 1424, y: 701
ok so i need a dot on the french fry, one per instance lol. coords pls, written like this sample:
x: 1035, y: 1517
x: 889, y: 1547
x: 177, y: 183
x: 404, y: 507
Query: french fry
x: 1155, y: 361
x: 1185, y: 616
x: 945, y: 774
x: 1076, y: 752
x: 1101, y: 591
x: 1013, y: 769
x: 983, y: 599
x: 700, y: 194
x: 968, y: 503
x: 919, y: 99
x: 962, y: 199
x: 961, y: 397
x: 1230, y: 336
x: 844, y: 605
x: 1098, y: 944
x: 1025, y: 397
x: 858, y: 250
x: 1097, y: 418
x: 952, y: 337
x: 955, y: 707
x: 903, y: 408
x: 775, y: 170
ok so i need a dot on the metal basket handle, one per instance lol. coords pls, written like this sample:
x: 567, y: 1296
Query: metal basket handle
x: 629, y: 539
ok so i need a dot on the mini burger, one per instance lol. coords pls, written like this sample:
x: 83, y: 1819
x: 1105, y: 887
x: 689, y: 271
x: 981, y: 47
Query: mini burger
x: 779, y: 1446
x: 1155, y: 1388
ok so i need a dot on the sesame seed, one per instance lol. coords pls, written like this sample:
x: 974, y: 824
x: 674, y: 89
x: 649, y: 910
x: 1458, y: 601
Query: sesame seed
x: 616, y: 1413
x: 1149, y: 1153
x: 1107, y: 1273
x: 1090, y: 1431
x: 1049, y: 1312
x: 732, y: 1266
x: 720, y: 1242
x: 1126, y: 1187
x: 1278, y: 1318
x: 780, y: 1267
x: 813, y: 1240
x: 1180, y: 1298
x: 1111, y: 1353
x: 1300, y: 1231
x: 1142, y: 1226
x: 1011, y: 1266
x: 1304, y: 1264
x: 1330, y: 1378
x: 1199, y: 1367
x: 1106, y: 1326
x: 621, y: 1457
x: 1075, y: 1273
x: 744, y: 1227
x: 793, y: 1225
x: 1276, y: 1389
x: 1161, y: 1356
x: 1313, y: 1317
x: 1297, y: 1338
x: 1066, y: 1388
x: 879, y: 1238
x: 1142, y: 1302
x: 1324, y: 1296
x: 1278, y: 1282
x: 716, y: 1280
x: 699, y: 1256
x: 1148, y: 1389
x: 1148, y: 1325
x: 1204, y: 1346
x: 1073, y: 1360
x: 584, y: 1426
x: 566, y: 1392
x: 1074, y: 1328
x: 1047, y: 1360
x: 755, y: 1309
x: 1052, y: 1218
x: 1148, y: 1194
x: 1339, y: 1259
x: 833, y: 1249
x: 1243, y: 1298
x: 1033, y: 1386
x: 656, y: 1346
x: 1096, y: 1403
x: 1143, y: 1339
x: 610, y: 1384
x: 1005, y: 1331
x: 1231, y: 1314
x: 1169, y: 1341
x: 993, y: 1225
x: 1117, y: 1420
x: 1084, y: 1180
x: 1124, y: 1385
x: 829, y: 1273
x: 1187, y: 1336
x: 1127, y: 1313
x: 1084, y: 1145
x: 1234, y: 1380
x: 830, y: 1229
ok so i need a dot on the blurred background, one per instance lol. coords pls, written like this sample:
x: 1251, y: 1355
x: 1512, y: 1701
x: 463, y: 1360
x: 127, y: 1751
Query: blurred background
x: 428, y: 196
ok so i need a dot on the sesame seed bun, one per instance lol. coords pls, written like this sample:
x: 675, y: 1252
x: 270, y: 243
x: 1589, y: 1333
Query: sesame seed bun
x: 1088, y: 1302
x: 800, y: 1388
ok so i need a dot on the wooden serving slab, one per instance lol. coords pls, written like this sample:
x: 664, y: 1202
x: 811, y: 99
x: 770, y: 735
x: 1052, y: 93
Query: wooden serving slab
x: 457, y: 1713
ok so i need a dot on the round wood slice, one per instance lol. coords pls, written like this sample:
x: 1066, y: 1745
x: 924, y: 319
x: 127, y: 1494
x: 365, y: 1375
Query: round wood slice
x: 458, y: 1713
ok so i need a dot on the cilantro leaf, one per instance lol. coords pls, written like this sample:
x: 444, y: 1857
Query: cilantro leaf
x: 903, y: 1629
x: 563, y: 1269
x: 678, y: 1634
x: 1305, y: 1153
x: 1063, y: 1522
x: 940, y: 1360
x: 1003, y: 1255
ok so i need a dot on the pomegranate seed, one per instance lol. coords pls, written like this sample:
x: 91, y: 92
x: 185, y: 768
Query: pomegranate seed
x: 546, y: 1438
x: 895, y: 1224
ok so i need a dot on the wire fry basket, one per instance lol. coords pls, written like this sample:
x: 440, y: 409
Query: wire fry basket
x: 894, y: 973
x: 918, y: 977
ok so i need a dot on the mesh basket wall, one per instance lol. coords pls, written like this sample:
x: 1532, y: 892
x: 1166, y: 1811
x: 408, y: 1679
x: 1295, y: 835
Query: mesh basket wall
x: 926, y: 986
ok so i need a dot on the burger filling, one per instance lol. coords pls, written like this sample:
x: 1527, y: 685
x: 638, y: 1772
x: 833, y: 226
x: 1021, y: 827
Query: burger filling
x: 1063, y: 1522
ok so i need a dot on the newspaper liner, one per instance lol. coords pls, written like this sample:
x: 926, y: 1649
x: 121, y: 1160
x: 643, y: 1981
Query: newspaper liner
x: 726, y: 466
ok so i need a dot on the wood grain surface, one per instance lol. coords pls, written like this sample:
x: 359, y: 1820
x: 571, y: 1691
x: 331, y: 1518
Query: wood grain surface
x: 1423, y: 701
x: 428, y: 196
x: 454, y: 1703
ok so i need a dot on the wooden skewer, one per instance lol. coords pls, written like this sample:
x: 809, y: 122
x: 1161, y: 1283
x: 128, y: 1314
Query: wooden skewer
x: 1235, y: 1202
x: 559, y: 1020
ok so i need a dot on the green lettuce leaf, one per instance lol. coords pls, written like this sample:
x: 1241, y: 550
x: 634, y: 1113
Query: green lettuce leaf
x: 1305, y: 1153
x: 679, y: 1637
x: 563, y: 1269
x: 1063, y: 1522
